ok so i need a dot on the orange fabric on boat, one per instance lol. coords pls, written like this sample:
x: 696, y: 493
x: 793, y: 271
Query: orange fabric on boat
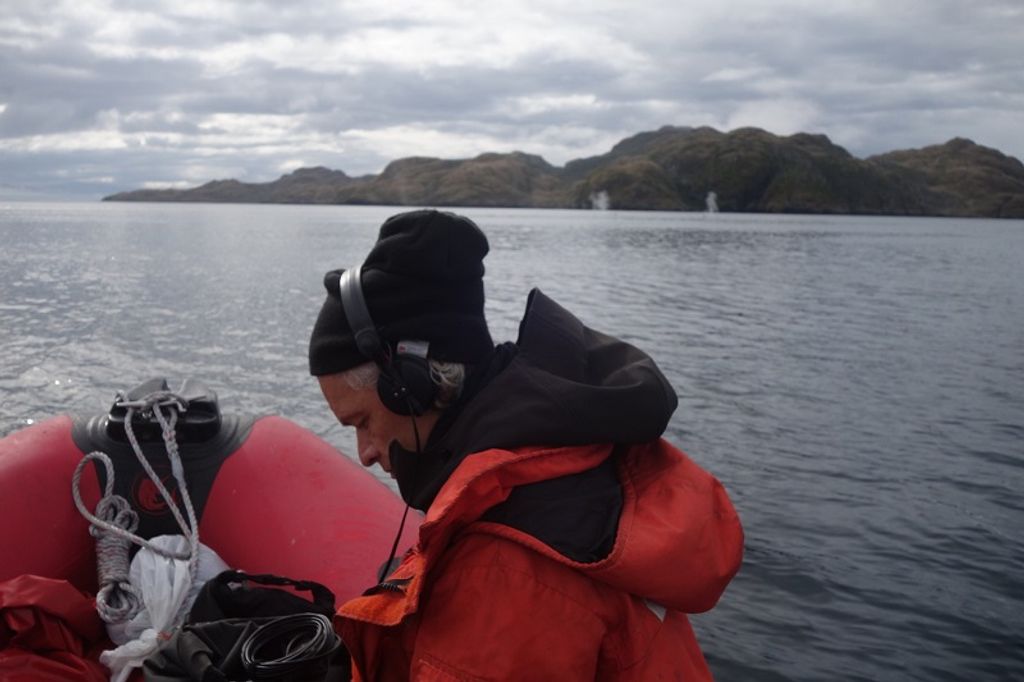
x: 49, y: 630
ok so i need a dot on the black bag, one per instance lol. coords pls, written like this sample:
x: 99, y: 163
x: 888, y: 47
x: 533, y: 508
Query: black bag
x: 237, y: 632
x: 227, y: 595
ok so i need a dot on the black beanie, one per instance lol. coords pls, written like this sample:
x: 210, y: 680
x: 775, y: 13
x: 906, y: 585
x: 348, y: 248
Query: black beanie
x: 423, y: 280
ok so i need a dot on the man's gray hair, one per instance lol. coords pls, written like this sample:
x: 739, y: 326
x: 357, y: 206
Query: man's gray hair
x: 449, y: 377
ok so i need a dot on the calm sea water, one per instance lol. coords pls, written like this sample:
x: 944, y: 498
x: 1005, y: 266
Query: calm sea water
x: 856, y: 383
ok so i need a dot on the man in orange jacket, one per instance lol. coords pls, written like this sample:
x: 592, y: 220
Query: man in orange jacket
x: 563, y: 539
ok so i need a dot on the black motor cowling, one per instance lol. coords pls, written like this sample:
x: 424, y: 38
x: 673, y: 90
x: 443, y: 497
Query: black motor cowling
x: 205, y: 439
x: 198, y: 416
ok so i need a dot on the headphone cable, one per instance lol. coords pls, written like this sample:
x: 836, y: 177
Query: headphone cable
x: 386, y: 568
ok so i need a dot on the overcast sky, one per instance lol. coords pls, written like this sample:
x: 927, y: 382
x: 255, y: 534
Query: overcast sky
x: 98, y: 96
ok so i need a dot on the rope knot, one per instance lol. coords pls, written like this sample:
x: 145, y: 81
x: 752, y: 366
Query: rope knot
x: 146, y: 404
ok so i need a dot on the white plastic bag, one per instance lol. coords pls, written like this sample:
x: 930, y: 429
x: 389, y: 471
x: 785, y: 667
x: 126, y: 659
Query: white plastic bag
x: 167, y: 591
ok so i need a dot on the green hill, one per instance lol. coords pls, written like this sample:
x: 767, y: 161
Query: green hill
x: 968, y: 179
x: 673, y: 168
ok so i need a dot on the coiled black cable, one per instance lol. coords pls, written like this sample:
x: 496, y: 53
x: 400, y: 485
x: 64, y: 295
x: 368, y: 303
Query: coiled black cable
x: 302, y: 643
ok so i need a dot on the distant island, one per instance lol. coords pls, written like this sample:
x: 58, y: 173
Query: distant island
x: 671, y: 169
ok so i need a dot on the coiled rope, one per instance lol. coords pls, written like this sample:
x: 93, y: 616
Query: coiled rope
x: 117, y: 600
x: 115, y: 521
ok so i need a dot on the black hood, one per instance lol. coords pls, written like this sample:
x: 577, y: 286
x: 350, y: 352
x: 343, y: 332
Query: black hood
x: 561, y: 383
x: 568, y: 385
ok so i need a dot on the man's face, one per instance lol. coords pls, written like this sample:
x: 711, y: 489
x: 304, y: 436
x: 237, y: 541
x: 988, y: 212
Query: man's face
x: 376, y: 426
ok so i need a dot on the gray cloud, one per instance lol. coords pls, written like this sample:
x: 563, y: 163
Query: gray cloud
x: 103, y: 96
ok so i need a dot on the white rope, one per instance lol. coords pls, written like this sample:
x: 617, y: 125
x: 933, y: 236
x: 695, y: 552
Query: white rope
x: 117, y: 600
x: 114, y: 522
x: 154, y: 402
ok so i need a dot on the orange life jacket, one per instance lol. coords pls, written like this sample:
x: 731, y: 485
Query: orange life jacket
x: 475, y: 600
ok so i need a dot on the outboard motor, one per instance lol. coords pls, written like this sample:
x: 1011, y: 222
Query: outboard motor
x: 198, y: 417
x: 205, y: 440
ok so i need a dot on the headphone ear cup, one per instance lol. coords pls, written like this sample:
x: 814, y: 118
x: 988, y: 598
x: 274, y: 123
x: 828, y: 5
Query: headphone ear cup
x: 405, y: 386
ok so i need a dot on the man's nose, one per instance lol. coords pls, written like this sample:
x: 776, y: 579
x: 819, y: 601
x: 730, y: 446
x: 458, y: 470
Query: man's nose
x: 368, y: 454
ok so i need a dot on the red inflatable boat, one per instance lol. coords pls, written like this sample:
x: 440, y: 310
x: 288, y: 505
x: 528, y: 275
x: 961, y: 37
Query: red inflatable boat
x: 270, y: 496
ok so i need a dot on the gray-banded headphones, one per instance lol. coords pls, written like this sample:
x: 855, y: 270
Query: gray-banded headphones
x: 404, y: 385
